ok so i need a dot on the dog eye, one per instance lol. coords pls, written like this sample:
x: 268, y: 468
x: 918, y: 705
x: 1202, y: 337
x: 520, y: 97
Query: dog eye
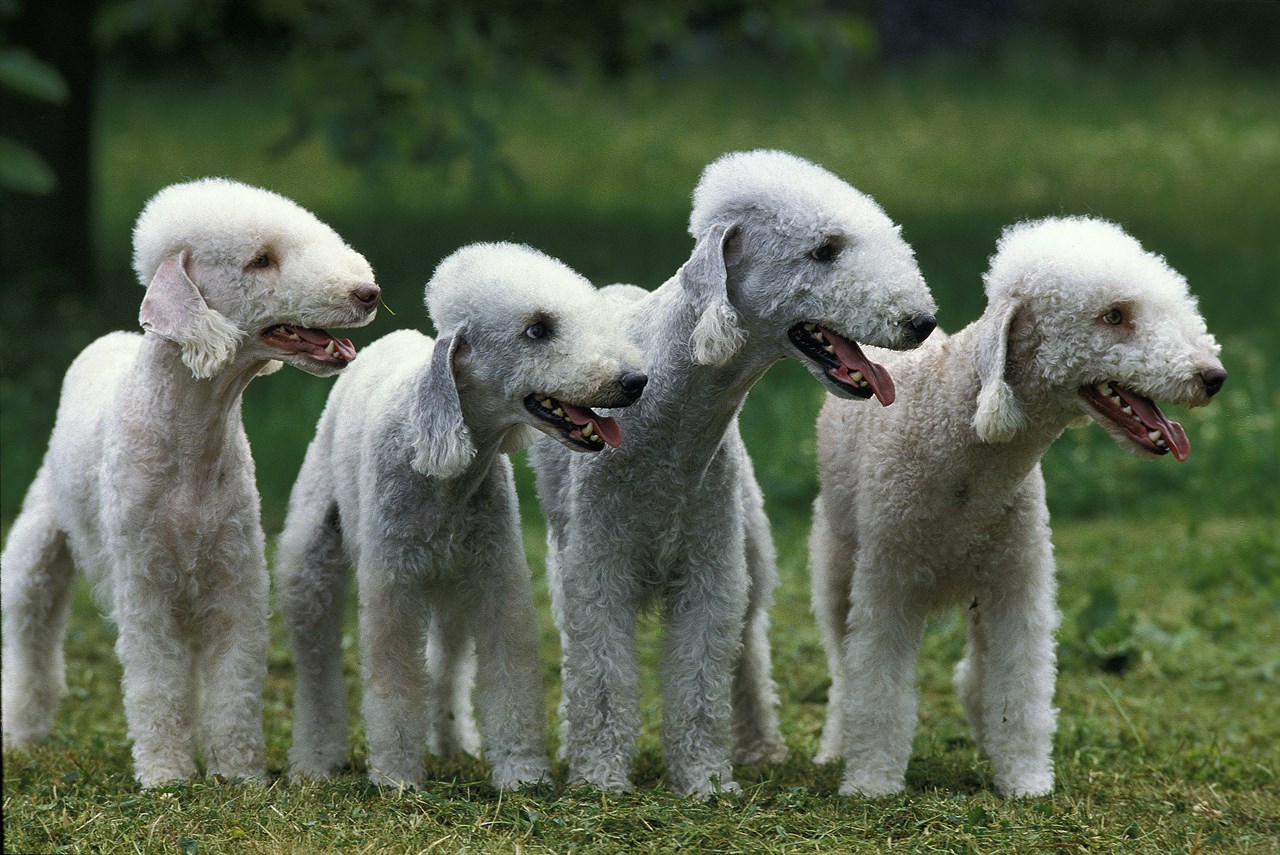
x: 826, y: 253
x: 1113, y: 317
x: 261, y: 261
x: 536, y: 330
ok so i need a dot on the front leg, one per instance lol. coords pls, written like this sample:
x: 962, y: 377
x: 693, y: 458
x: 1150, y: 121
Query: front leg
x: 1007, y: 681
x: 882, y: 643
x: 232, y: 654
x: 501, y: 618
x: 704, y: 625
x: 600, y: 704
x: 158, y: 684
x: 392, y: 626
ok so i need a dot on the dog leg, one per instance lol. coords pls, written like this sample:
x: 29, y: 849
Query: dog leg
x: 1017, y: 669
x: 757, y: 736
x: 884, y: 629
x: 704, y: 625
x: 393, y: 671
x: 509, y: 689
x: 37, y: 584
x: 600, y: 707
x: 451, y: 666
x: 158, y: 685
x: 232, y: 654
x: 313, y: 574
x: 829, y: 577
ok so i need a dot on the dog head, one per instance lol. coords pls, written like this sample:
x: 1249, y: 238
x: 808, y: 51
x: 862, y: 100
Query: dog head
x: 1083, y: 321
x: 525, y: 342
x: 799, y: 263
x: 234, y: 271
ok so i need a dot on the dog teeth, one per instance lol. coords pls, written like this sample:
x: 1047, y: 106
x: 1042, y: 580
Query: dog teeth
x: 559, y: 412
x: 546, y: 402
x: 331, y: 348
x: 589, y: 431
x: 1127, y: 410
x: 1162, y: 443
x: 856, y: 377
x: 1153, y: 435
x: 810, y: 327
x: 828, y: 348
x: 293, y: 336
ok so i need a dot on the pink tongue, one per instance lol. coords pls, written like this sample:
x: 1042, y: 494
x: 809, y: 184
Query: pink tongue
x: 606, y: 428
x: 320, y: 338
x: 852, y: 359
x: 1152, y: 419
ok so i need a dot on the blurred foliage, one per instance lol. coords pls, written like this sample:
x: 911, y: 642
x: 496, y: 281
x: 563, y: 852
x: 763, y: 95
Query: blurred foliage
x: 423, y: 82
x: 26, y: 75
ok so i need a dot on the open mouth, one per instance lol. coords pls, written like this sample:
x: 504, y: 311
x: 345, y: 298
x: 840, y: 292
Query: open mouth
x: 844, y: 361
x: 1139, y: 418
x: 311, y: 343
x: 579, y: 425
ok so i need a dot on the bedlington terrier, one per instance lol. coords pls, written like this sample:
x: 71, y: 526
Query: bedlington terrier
x: 406, y: 479
x: 789, y: 261
x: 148, y: 483
x: 939, y: 501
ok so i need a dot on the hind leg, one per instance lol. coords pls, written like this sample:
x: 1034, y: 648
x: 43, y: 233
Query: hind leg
x: 37, y: 576
x: 451, y: 666
x: 829, y: 579
x: 312, y: 573
x: 757, y: 737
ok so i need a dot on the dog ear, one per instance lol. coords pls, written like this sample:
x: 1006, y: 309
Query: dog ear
x: 998, y: 417
x: 444, y: 446
x: 719, y: 333
x: 174, y: 309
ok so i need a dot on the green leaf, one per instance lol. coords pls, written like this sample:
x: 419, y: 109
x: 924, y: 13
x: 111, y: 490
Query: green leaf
x: 22, y: 72
x: 24, y: 170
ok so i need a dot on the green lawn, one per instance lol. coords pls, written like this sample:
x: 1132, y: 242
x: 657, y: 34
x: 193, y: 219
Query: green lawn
x: 1170, y: 574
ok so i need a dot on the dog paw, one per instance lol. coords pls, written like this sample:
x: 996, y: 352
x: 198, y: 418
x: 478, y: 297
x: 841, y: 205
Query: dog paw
x: 519, y: 776
x: 610, y: 780
x: 709, y: 787
x: 1026, y: 788
x: 764, y: 751
x: 871, y: 787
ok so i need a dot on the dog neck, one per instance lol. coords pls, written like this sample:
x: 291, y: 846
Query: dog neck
x: 169, y: 411
x: 686, y: 405
x: 935, y: 385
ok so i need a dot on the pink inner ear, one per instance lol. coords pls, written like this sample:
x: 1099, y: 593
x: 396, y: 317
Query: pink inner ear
x: 173, y: 305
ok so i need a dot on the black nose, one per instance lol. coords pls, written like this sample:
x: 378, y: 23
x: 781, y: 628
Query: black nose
x: 1213, y: 378
x: 367, y: 295
x: 922, y: 325
x: 633, y: 383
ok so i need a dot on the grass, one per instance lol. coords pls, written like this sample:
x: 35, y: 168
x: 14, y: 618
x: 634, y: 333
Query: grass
x: 1170, y: 575
x: 1173, y: 751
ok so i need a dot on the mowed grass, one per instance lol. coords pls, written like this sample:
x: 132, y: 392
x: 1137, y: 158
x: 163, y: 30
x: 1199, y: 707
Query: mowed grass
x: 1170, y: 708
x: 1175, y: 753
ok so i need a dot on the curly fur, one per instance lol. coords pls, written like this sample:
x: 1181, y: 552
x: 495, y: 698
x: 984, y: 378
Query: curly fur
x: 675, y: 516
x: 406, y: 480
x: 939, y: 501
x: 148, y: 483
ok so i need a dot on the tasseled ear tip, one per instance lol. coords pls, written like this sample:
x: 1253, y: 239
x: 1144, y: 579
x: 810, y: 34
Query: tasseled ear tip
x: 718, y: 335
x: 998, y: 417
x: 444, y: 457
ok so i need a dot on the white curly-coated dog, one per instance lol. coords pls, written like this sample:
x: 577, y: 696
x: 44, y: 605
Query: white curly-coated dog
x: 939, y: 500
x: 406, y: 479
x: 789, y: 262
x: 148, y: 484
